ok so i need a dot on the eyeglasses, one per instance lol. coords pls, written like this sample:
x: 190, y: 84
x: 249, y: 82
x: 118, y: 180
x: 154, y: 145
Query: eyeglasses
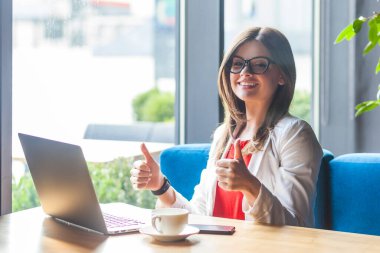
x: 257, y: 65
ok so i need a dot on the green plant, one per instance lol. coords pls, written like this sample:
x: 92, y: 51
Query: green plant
x: 24, y: 194
x: 111, y: 183
x: 300, y: 105
x: 154, y: 106
x: 348, y: 33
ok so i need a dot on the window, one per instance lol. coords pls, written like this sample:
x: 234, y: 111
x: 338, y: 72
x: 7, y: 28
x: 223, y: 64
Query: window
x: 92, y: 69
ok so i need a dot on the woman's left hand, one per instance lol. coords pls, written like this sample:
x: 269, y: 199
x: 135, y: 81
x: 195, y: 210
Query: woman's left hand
x: 233, y: 175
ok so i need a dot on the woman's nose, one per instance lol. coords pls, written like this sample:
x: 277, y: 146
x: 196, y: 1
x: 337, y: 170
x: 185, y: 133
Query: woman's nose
x: 246, y: 70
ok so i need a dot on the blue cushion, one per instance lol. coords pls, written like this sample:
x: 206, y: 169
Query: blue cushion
x: 355, y: 193
x: 321, y: 209
x: 183, y: 165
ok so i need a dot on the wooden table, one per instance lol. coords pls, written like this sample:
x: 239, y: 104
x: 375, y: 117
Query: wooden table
x: 32, y: 231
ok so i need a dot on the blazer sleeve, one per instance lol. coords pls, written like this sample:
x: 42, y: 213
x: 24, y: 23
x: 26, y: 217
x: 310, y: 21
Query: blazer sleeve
x: 292, y: 200
x: 198, y: 203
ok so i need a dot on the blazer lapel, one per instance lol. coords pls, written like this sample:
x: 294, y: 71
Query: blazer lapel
x: 257, y: 158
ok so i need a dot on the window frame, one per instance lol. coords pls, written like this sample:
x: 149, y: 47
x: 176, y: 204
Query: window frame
x: 200, y: 33
x: 6, y: 106
x: 336, y: 101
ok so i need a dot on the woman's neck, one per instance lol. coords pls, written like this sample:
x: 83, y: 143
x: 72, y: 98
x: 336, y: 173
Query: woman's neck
x: 255, y: 115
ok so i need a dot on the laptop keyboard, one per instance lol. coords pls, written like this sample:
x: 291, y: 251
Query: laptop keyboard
x: 113, y: 221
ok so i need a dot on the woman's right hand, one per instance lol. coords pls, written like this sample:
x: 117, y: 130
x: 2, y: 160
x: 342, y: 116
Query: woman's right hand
x: 146, y: 174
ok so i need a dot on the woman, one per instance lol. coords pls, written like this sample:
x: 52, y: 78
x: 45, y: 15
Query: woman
x: 263, y: 163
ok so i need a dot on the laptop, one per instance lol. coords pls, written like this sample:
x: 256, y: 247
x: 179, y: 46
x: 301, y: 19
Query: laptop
x: 63, y: 183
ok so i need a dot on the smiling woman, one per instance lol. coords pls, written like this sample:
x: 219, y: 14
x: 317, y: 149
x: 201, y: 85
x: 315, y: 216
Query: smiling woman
x: 245, y: 79
x: 263, y: 163
x: 297, y: 28
x: 264, y: 96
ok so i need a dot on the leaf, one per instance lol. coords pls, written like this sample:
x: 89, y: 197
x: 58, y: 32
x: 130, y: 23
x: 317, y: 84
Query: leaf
x: 378, y: 68
x: 347, y: 33
x: 372, y: 32
x: 358, y: 106
x: 377, y: 18
x: 357, y: 24
x: 350, y: 34
x: 366, y: 107
x: 378, y: 93
x: 369, y: 47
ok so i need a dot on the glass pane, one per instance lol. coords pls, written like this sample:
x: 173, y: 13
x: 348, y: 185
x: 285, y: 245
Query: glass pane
x: 87, y: 71
x: 297, y: 27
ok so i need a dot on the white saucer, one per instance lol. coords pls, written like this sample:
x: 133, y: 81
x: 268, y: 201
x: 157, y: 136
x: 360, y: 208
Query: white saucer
x: 189, y: 230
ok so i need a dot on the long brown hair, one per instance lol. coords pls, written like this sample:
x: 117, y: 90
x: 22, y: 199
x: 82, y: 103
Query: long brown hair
x: 234, y: 108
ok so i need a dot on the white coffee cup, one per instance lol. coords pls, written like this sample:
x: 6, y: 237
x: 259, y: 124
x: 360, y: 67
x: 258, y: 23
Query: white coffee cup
x: 169, y: 221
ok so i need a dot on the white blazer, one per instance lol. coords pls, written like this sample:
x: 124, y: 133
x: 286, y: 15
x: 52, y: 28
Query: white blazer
x: 287, y: 167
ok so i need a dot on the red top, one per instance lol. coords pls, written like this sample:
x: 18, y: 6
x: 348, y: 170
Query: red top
x: 228, y: 203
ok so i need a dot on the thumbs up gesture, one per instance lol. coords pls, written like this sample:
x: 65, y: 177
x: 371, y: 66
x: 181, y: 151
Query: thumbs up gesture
x: 237, y: 154
x: 233, y: 175
x: 146, y: 174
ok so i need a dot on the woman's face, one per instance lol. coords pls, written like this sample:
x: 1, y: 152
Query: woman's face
x: 251, y: 87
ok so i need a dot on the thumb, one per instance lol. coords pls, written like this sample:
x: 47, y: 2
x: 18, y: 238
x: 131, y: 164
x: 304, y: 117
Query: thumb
x: 147, y: 155
x: 238, y: 155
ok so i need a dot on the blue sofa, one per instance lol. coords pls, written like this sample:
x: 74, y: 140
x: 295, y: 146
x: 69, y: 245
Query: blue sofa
x: 348, y: 188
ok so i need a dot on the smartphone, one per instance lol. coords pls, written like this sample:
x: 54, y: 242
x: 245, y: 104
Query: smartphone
x: 214, y: 229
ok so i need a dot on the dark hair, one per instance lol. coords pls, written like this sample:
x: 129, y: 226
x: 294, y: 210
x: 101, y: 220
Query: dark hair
x: 234, y: 108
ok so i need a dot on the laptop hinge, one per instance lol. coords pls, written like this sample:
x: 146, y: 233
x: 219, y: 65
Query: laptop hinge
x: 77, y: 226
